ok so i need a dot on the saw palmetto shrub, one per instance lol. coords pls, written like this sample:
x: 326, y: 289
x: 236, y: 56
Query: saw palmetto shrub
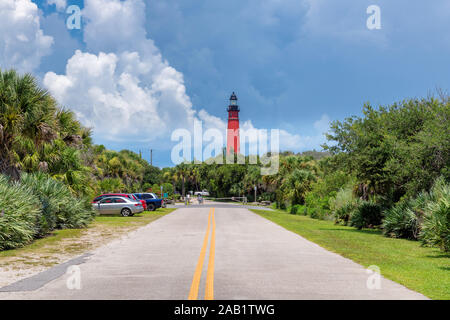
x: 425, y: 218
x: 404, y: 220
x: 401, y: 221
x: 19, y: 214
x: 436, y: 225
x: 367, y: 215
x: 60, y: 208
x: 36, y: 205
x: 341, y: 215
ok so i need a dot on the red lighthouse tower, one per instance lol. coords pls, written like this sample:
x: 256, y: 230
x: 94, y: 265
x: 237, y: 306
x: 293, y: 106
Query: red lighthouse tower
x: 233, y: 142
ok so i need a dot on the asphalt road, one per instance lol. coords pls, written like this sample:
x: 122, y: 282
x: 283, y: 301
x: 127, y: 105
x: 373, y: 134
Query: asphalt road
x: 205, y: 253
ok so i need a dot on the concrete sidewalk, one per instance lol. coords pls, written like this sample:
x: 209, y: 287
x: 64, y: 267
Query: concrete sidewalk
x: 254, y: 259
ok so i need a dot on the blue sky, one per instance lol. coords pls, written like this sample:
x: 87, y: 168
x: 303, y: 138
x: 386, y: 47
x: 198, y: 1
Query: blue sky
x: 144, y: 68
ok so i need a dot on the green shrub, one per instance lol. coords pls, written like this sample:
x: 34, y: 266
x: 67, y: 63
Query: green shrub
x: 342, y: 205
x: 313, y: 200
x: 296, y: 208
x: 436, y: 224
x: 427, y: 217
x: 401, y: 222
x: 304, y: 211
x: 342, y: 214
x: 19, y: 213
x: 111, y: 185
x: 311, y: 212
x: 404, y: 220
x: 366, y: 215
x: 36, y: 205
x: 316, y: 213
x: 281, y: 205
x: 60, y: 208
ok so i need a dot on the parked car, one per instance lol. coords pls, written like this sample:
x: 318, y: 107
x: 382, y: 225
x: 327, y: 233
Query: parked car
x: 152, y: 200
x: 203, y: 193
x: 114, y: 205
x: 126, y: 195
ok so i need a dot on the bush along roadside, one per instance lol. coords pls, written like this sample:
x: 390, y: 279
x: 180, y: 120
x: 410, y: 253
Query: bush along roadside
x: 367, y: 215
x: 36, y: 205
x: 425, y: 218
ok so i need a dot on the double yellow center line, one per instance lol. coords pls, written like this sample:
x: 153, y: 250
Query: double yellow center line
x: 209, y: 288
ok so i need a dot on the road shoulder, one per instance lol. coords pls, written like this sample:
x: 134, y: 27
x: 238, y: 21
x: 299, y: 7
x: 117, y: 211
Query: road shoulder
x: 64, y: 245
x: 421, y: 269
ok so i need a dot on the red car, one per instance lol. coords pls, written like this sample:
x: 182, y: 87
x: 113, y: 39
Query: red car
x: 127, y: 195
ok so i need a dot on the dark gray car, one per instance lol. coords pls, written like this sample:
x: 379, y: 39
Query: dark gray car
x: 118, y: 205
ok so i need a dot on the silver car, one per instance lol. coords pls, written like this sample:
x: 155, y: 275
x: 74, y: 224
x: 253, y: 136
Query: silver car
x: 113, y: 205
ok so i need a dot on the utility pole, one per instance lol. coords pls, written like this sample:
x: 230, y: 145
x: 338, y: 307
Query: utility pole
x: 255, y: 192
x: 151, y: 157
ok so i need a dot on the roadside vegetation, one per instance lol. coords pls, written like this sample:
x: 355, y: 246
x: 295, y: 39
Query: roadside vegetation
x: 419, y: 268
x: 34, y: 206
x: 388, y: 170
x: 49, y: 168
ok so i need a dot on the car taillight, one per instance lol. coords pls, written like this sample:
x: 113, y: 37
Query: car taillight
x: 137, y: 204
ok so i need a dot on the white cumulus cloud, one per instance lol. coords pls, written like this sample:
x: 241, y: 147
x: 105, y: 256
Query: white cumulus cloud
x: 22, y: 40
x: 122, y: 86
x: 60, y: 4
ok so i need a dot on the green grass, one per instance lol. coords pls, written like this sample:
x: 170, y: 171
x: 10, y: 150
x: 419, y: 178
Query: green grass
x: 136, y: 220
x: 50, y: 240
x: 425, y: 270
x: 66, y: 240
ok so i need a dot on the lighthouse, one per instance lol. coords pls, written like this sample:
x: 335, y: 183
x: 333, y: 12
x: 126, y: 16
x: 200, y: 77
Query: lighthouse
x: 233, y: 143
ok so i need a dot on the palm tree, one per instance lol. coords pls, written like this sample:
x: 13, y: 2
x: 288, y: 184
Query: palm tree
x: 194, y: 175
x: 170, y: 175
x: 27, y: 121
x: 182, y: 172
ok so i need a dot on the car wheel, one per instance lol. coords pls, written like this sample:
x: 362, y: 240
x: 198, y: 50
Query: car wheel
x: 126, y: 212
x: 151, y: 207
